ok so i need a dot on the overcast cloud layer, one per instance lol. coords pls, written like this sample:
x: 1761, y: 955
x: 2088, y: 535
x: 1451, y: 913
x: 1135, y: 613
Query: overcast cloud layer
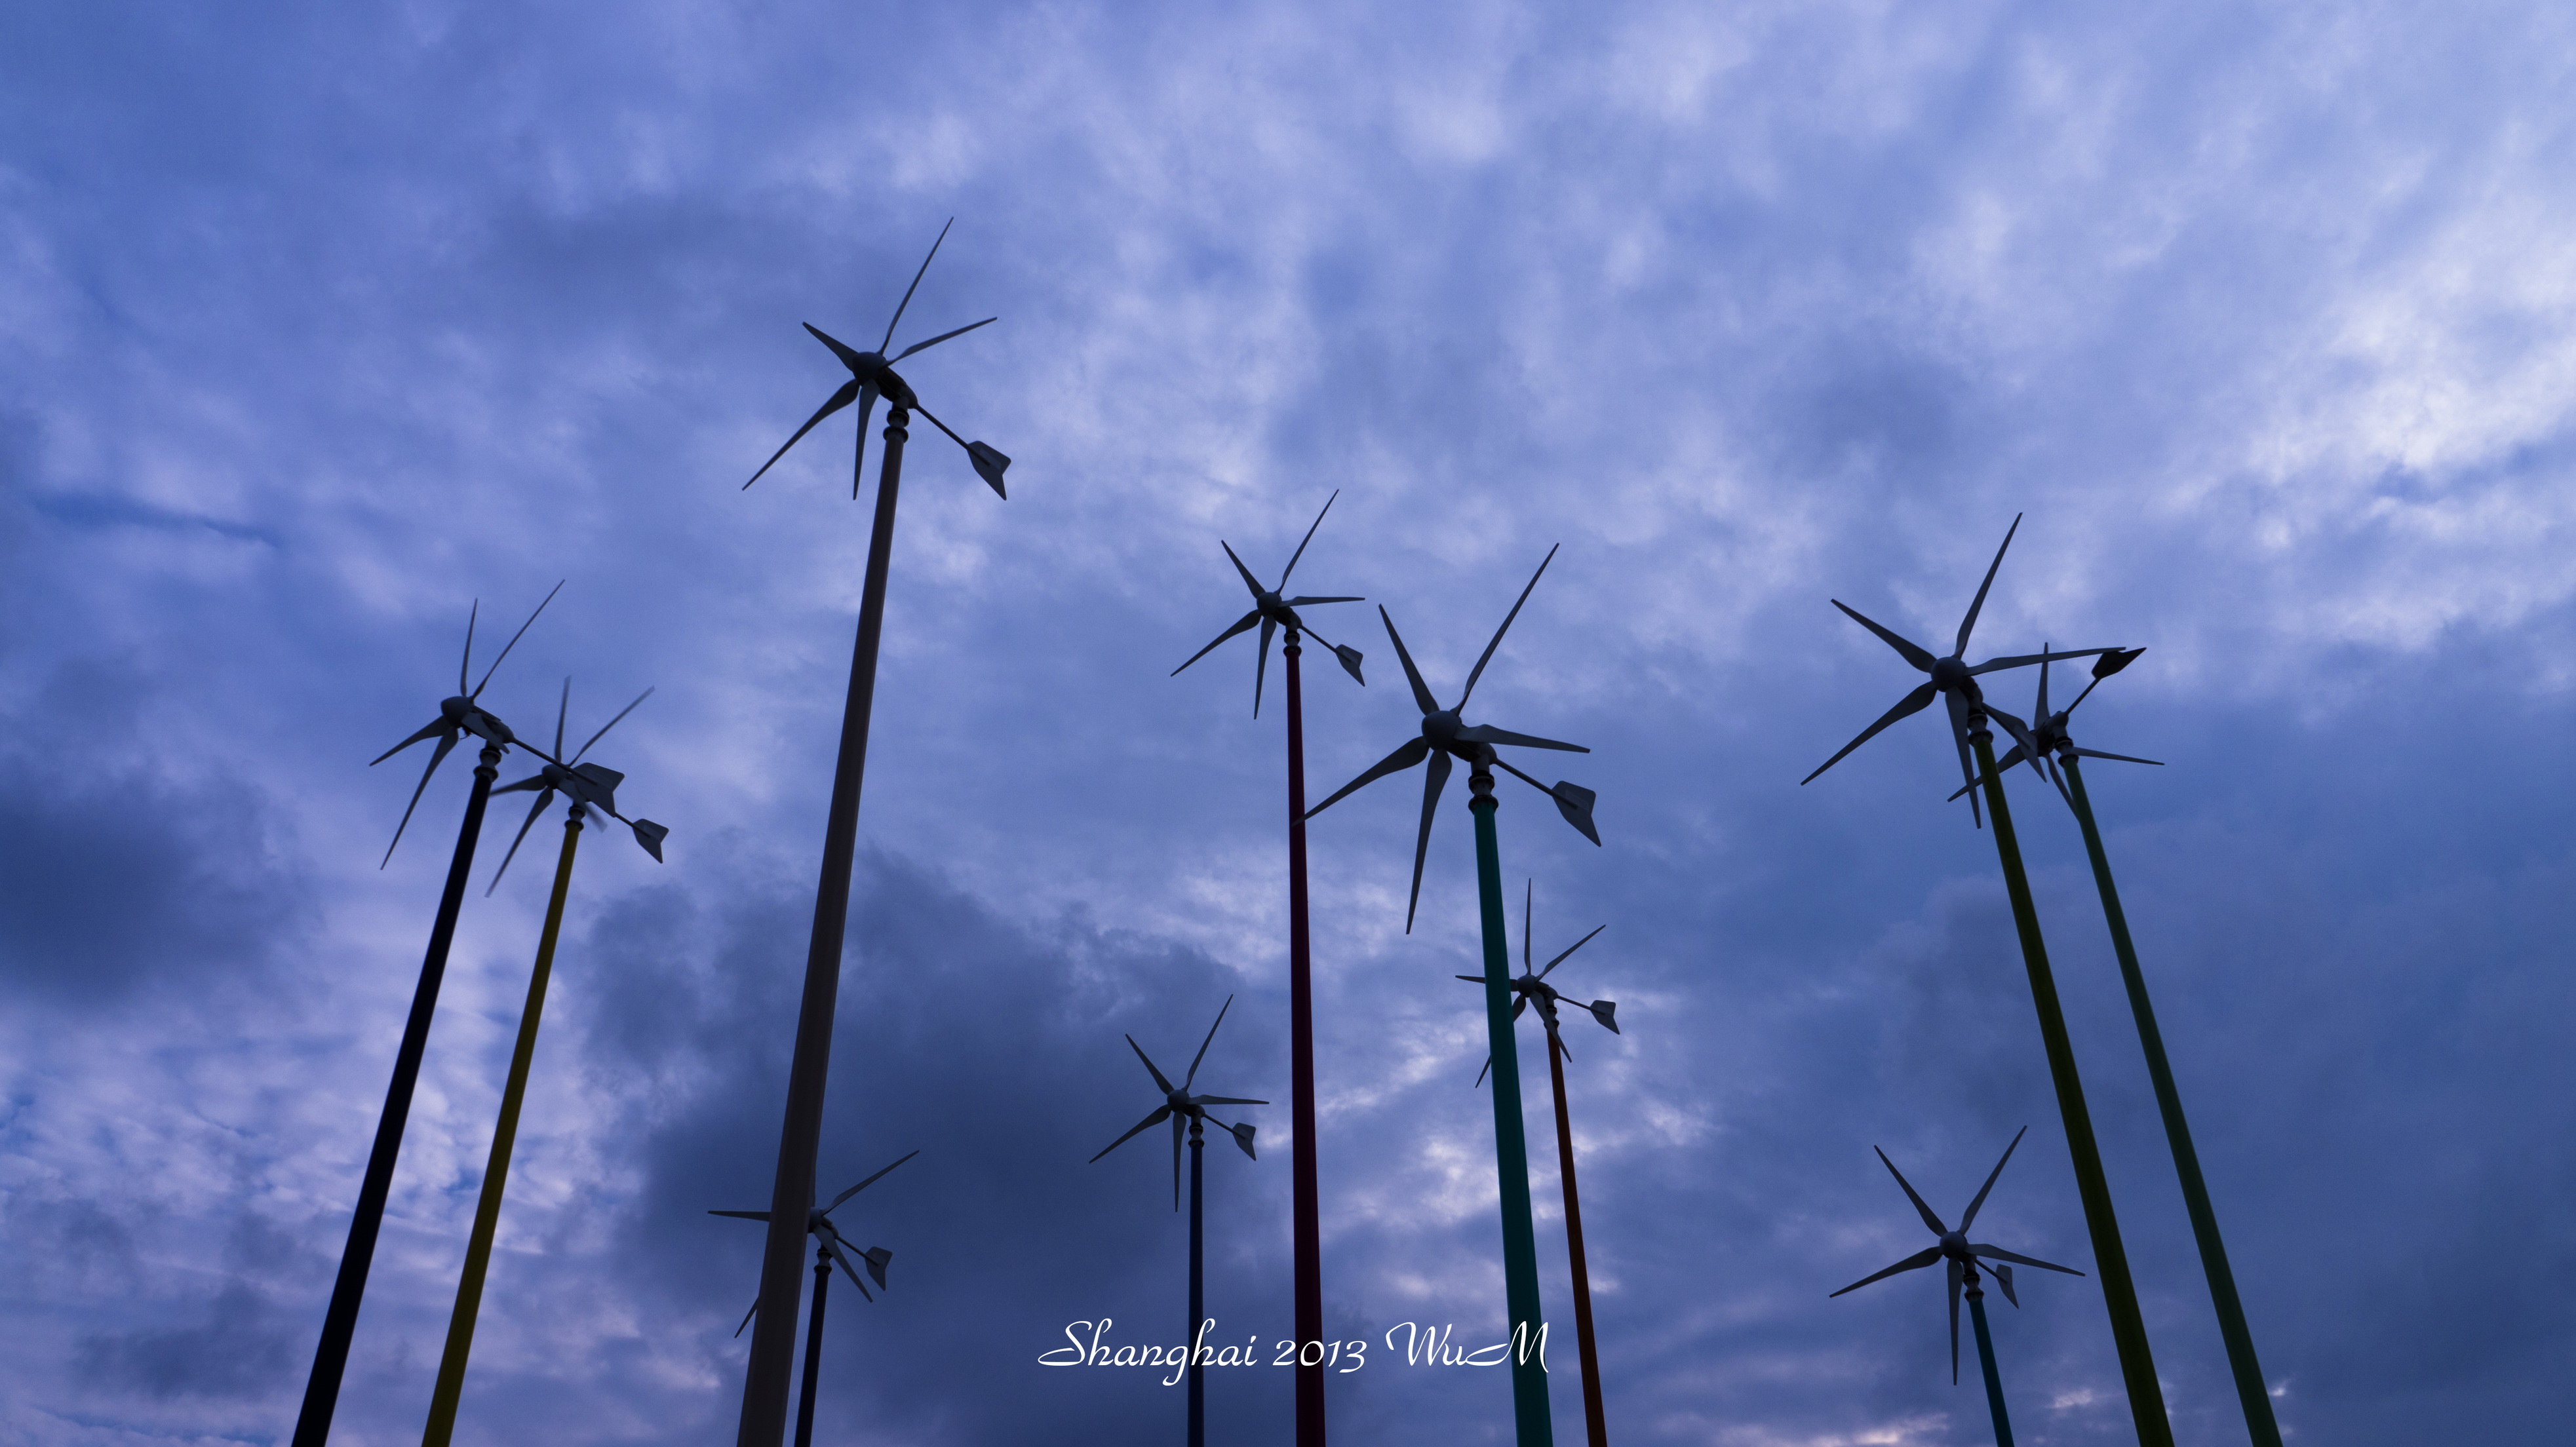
x: 319, y: 323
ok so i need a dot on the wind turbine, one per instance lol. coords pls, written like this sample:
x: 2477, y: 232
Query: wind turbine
x: 1964, y: 1258
x: 1968, y: 714
x: 1178, y: 1106
x: 773, y: 1343
x: 1446, y: 735
x: 1530, y: 987
x: 459, y: 714
x: 586, y: 787
x: 827, y: 1251
x: 1273, y: 612
x: 2051, y: 745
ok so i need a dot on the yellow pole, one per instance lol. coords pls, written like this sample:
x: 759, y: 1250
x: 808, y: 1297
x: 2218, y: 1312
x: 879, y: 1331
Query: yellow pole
x: 487, y: 1212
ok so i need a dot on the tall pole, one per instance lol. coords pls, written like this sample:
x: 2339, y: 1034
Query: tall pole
x: 2250, y: 1391
x: 1198, y: 1298
x: 2128, y: 1329
x: 773, y: 1333
x: 813, y: 1348
x: 340, y: 1321
x: 1596, y: 1431
x: 1986, y: 1361
x: 496, y: 1170
x: 1511, y: 1151
x: 1305, y: 1227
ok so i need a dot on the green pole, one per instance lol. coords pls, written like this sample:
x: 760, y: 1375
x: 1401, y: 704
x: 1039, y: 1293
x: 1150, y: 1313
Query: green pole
x: 2250, y: 1391
x: 496, y: 1172
x: 2128, y: 1329
x: 1511, y: 1152
x: 1986, y: 1361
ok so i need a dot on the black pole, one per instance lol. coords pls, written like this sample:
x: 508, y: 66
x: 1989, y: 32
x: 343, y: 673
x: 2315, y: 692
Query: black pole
x: 2251, y: 1394
x: 773, y: 1336
x: 1596, y: 1431
x: 813, y: 1348
x: 1198, y: 1300
x: 340, y: 1322
x: 1305, y: 1228
x: 1986, y: 1362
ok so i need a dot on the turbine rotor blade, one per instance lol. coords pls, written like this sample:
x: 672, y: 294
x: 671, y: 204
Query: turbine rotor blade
x: 863, y: 1185
x: 1570, y: 949
x: 514, y: 639
x: 1488, y: 734
x: 1155, y: 1119
x: 1923, y: 1210
x: 446, y: 742
x: 1301, y: 550
x: 429, y: 730
x: 748, y: 1315
x: 2000, y: 1254
x: 1433, y: 780
x: 1251, y: 584
x: 1302, y: 601
x: 1971, y: 1216
x: 1912, y: 703
x: 832, y: 1246
x: 2024, y: 660
x: 465, y: 665
x: 1965, y: 625
x: 849, y: 355
x: 1479, y: 670
x: 1261, y: 669
x: 742, y: 1215
x: 916, y: 284
x: 1224, y: 1100
x: 544, y: 797
x: 848, y: 394
x: 1422, y: 698
x: 1160, y: 1083
x: 1955, y: 1274
x: 2123, y: 758
x: 859, y: 449
x: 1188, y: 1079
x: 1406, y: 755
x: 1967, y: 764
x: 563, y: 706
x: 603, y: 729
x: 1240, y: 624
x: 1906, y: 649
x: 943, y: 336
x: 1915, y: 1262
x: 1176, y: 1160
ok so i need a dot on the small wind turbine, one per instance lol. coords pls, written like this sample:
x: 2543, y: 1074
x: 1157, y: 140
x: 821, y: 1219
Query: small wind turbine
x: 588, y: 786
x: 460, y: 714
x: 1179, y: 1106
x: 1968, y: 714
x: 1445, y: 735
x: 1964, y: 1259
x: 1527, y: 987
x: 872, y: 374
x: 827, y: 1251
x: 2051, y: 744
x: 1273, y: 612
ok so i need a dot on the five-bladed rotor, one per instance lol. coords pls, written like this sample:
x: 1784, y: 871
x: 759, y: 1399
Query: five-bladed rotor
x: 828, y: 1238
x: 2048, y: 743
x: 1274, y: 612
x: 1446, y: 735
x: 1180, y: 1107
x: 1951, y: 679
x: 1964, y: 1257
x: 1531, y: 986
x: 589, y: 786
x: 872, y: 375
x: 461, y: 714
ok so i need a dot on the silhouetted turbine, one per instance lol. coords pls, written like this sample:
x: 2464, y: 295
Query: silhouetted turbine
x: 1179, y: 1106
x: 827, y: 1251
x: 872, y: 375
x: 458, y: 715
x: 1273, y: 612
x: 2046, y: 738
x: 591, y: 786
x: 1951, y: 678
x: 1445, y: 736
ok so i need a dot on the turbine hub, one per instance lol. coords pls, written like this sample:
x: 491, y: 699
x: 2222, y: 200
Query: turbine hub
x: 1442, y: 728
x: 1954, y: 1244
x: 1950, y: 675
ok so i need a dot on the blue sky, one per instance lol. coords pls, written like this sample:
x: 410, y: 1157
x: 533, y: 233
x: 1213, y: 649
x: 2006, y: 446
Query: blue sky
x: 319, y: 324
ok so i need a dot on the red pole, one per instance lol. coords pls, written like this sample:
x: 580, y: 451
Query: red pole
x: 1595, y: 1431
